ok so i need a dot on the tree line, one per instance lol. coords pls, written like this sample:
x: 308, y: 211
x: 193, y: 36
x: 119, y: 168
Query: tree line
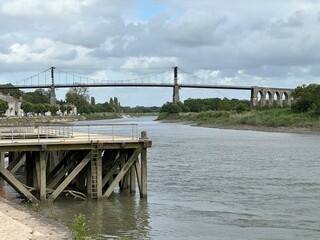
x: 202, y: 105
x: 306, y: 99
x: 38, y: 102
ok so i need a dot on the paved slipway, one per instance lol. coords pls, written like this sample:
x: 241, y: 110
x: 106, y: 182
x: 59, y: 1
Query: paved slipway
x: 16, y: 224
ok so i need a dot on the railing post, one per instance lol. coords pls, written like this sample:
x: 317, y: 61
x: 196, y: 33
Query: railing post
x: 88, y: 132
x: 132, y: 131
x: 112, y: 132
x: 64, y: 133
x: 38, y: 134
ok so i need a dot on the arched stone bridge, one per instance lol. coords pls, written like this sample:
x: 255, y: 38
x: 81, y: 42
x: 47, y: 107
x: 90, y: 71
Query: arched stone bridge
x: 262, y: 97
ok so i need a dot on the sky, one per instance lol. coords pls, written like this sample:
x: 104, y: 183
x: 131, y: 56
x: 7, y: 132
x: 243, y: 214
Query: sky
x: 267, y: 43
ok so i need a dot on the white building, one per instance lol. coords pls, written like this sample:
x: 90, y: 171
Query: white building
x: 14, y: 105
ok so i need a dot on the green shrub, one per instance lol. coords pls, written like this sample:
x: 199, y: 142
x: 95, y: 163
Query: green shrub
x: 80, y: 227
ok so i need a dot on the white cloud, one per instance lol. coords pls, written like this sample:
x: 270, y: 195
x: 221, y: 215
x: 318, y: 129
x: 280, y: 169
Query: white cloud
x: 39, y: 8
x: 148, y: 62
x: 239, y: 42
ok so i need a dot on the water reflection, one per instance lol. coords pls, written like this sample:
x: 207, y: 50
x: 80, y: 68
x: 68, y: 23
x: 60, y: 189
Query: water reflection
x: 120, y: 215
x: 214, y: 184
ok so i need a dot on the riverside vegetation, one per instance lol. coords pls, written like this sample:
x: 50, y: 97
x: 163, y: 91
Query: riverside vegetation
x: 35, y: 106
x: 36, y: 103
x: 215, y: 112
x: 304, y: 115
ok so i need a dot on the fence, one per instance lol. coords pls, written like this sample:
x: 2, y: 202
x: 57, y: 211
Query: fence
x: 67, y: 131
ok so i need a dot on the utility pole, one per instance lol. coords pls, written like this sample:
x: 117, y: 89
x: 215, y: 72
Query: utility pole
x: 53, y: 92
x: 175, y: 98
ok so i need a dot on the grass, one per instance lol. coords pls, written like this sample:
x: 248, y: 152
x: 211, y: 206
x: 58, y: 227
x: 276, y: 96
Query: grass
x: 104, y: 115
x: 273, y: 118
x: 80, y: 228
x: 61, y: 119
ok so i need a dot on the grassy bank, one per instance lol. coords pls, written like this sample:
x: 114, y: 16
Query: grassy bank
x: 35, y: 120
x: 58, y: 119
x: 261, y: 120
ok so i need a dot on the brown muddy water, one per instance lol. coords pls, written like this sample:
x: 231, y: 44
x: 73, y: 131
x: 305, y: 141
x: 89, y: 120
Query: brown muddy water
x: 206, y: 183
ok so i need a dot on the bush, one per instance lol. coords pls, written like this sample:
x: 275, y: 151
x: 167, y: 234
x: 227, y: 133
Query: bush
x: 171, y: 108
x: 3, y: 106
x: 79, y: 227
x: 241, y: 107
x: 307, y: 99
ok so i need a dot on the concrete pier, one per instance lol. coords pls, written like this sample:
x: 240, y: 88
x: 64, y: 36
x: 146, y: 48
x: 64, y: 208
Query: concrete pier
x: 58, y: 160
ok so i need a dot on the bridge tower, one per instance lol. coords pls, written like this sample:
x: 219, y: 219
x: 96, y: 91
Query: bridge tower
x: 175, y: 98
x: 53, y: 92
x: 254, y: 97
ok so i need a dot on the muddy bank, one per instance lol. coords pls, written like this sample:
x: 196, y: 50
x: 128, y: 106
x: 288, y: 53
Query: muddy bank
x: 265, y: 129
x: 249, y: 128
x: 18, y: 223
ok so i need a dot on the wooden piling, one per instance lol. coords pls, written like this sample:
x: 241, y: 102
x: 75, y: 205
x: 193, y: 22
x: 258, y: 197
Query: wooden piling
x: 56, y: 165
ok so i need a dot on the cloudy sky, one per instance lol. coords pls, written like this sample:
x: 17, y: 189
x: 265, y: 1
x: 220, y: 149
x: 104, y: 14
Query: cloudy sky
x: 245, y: 42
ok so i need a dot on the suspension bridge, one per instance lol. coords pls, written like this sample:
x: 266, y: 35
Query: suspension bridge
x: 174, y: 78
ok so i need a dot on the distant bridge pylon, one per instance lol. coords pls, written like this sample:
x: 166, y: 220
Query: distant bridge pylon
x: 174, y: 78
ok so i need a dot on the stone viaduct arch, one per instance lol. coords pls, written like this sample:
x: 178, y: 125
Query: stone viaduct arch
x: 262, y: 97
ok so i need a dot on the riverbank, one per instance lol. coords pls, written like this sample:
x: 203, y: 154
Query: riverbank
x: 65, y: 119
x: 17, y: 223
x: 56, y: 119
x: 266, y: 121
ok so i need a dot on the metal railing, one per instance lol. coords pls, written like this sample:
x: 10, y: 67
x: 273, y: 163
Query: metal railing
x: 114, y: 130
x: 67, y: 131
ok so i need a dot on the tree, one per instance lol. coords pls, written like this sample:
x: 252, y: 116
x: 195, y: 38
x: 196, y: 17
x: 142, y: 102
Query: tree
x: 307, y: 99
x: 63, y: 108
x: 170, y: 107
x: 81, y: 91
x: 85, y: 109
x: 69, y: 109
x: 38, y: 96
x: 113, y: 105
x: 17, y: 93
x: 111, y: 101
x: 92, y: 101
x: 27, y: 107
x: 193, y: 104
x: 241, y: 107
x: 107, y: 107
x: 3, y: 106
x: 116, y: 102
x: 99, y: 107
x: 53, y: 109
x: 39, y: 108
x: 78, y: 96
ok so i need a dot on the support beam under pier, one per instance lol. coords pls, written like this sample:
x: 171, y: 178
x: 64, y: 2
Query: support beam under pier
x: 52, y: 168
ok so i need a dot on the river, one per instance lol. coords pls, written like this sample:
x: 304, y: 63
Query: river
x: 206, y: 183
